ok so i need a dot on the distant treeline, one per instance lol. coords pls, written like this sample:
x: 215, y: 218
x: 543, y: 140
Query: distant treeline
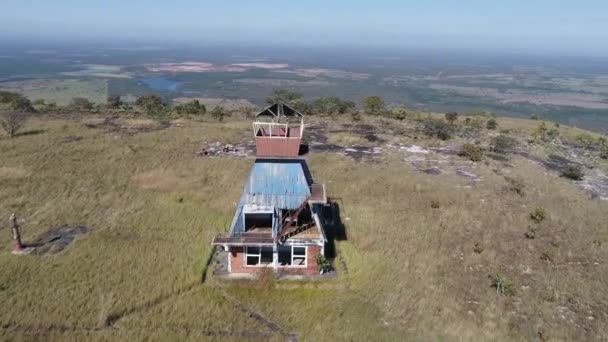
x: 155, y: 106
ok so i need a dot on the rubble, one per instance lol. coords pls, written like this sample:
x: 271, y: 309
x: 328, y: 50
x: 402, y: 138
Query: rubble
x: 222, y: 150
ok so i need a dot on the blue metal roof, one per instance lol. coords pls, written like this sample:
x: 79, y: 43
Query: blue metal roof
x: 282, y: 184
x: 277, y: 183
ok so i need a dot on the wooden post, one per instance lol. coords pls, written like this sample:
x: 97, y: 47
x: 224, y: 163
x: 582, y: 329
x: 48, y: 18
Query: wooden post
x: 16, y: 233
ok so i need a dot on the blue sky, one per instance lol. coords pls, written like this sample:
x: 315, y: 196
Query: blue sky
x: 551, y: 24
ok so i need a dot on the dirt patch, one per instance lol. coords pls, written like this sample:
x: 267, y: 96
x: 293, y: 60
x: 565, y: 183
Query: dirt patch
x: 7, y: 172
x: 57, y: 239
x: 129, y: 126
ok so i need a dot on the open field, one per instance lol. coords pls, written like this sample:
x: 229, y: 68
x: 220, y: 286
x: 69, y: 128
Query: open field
x: 414, y: 264
x: 60, y: 91
x: 572, y: 91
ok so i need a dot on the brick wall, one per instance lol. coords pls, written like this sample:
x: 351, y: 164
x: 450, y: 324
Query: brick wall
x: 311, y: 264
x: 237, y: 263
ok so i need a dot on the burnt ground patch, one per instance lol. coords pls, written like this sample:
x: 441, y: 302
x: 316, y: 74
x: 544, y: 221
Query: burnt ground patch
x: 57, y: 239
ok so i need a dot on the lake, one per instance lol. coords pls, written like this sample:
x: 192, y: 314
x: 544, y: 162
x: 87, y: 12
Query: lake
x: 161, y: 83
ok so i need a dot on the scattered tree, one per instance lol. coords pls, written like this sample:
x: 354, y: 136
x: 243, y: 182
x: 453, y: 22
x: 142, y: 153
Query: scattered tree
x: 153, y: 105
x: 284, y: 96
x: 491, y: 124
x: 113, y: 101
x: 12, y: 122
x: 374, y: 105
x: 81, y: 103
x: 219, y: 113
x: 331, y: 106
x: 193, y: 107
x: 437, y: 128
x: 534, y: 117
x: 451, y: 117
x: 16, y: 102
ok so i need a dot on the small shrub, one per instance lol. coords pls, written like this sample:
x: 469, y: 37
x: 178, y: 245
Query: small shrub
x: 435, y: 204
x: 515, y: 185
x: 573, y: 172
x: 472, y: 152
x: 477, y: 248
x: 546, y: 256
x: 540, y: 134
x: 530, y: 233
x: 491, y: 124
x: 437, y: 128
x: 585, y: 139
x: 503, y: 144
x: 534, y: 117
x: 538, y: 215
x: 555, y: 243
x: 502, y: 285
x: 355, y: 116
x: 323, y: 264
x: 548, y: 295
x: 552, y: 134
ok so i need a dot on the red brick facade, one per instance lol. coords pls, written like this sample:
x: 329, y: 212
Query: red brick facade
x: 237, y: 263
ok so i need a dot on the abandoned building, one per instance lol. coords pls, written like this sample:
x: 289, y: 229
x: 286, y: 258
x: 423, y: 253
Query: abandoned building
x: 277, y: 221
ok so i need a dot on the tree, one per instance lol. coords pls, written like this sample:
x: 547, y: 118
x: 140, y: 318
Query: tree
x: 284, y: 96
x: 219, y: 113
x: 374, y: 105
x: 81, y: 103
x: 331, y: 105
x: 191, y: 108
x: 153, y: 105
x: 12, y: 122
x: 113, y: 101
x: 451, y: 117
x: 16, y: 102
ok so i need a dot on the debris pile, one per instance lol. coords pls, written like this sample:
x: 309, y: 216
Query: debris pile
x: 218, y: 149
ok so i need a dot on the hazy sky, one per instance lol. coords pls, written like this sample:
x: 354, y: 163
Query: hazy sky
x: 543, y: 24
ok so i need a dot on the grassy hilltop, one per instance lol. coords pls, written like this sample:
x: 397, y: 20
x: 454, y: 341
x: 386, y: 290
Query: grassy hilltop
x: 429, y: 235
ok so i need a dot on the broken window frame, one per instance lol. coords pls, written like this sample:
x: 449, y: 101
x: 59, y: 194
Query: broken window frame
x: 249, y: 252
x: 293, y: 256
